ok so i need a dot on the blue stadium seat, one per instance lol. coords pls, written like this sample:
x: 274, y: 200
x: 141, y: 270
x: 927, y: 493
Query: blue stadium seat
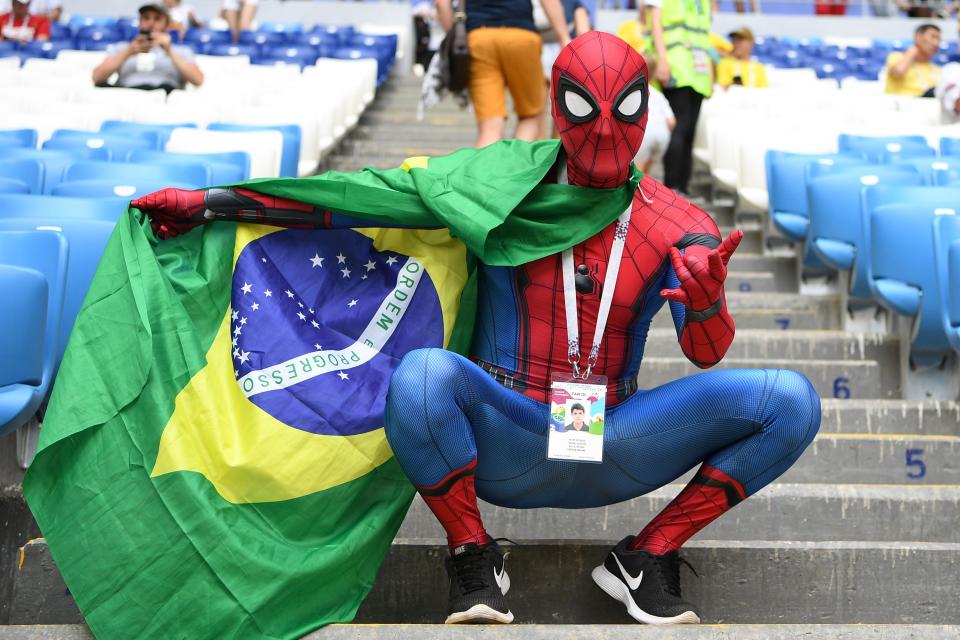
x: 302, y: 55
x: 118, y: 146
x: 250, y: 50
x: 76, y: 23
x: 290, y: 154
x: 946, y: 245
x: 18, y: 138
x: 27, y: 171
x: 13, y: 186
x: 158, y: 132
x: 226, y: 167
x: 39, y: 208
x: 55, y: 161
x: 935, y: 171
x: 128, y: 28
x: 202, y: 40
x: 836, y: 232
x: 93, y: 37
x: 903, y: 269
x: 262, y: 39
x: 86, y: 240
x: 897, y: 153
x: 343, y: 33
x: 288, y: 29
x: 786, y: 187
x: 320, y: 39
x: 117, y: 188
x: 196, y: 174
x: 949, y: 146
x: 34, y: 295
x: 42, y: 49
x: 873, y: 146
x: 60, y: 33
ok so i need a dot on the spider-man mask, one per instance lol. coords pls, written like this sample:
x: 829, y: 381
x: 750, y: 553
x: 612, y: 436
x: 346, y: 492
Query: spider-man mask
x: 599, y: 94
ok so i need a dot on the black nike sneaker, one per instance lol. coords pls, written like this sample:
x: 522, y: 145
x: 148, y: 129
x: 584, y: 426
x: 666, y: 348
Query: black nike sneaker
x: 647, y: 584
x: 478, y: 584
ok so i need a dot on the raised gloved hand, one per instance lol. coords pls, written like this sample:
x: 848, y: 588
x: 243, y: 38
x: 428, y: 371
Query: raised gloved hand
x: 701, y: 273
x: 173, y: 212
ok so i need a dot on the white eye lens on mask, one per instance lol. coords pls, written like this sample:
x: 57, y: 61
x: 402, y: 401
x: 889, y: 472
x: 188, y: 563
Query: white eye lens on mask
x: 631, y: 104
x: 576, y: 105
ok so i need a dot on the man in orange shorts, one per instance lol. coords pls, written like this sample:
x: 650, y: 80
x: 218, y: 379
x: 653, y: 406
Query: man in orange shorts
x: 505, y: 53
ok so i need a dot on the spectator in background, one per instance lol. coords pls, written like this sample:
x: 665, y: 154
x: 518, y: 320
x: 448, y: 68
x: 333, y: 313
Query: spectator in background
x: 505, y: 52
x: 660, y: 123
x: 948, y: 92
x: 923, y: 8
x: 182, y: 16
x: 49, y: 9
x: 21, y: 25
x: 632, y: 33
x: 239, y: 14
x: 680, y: 32
x: 578, y: 23
x: 830, y: 7
x: 911, y: 73
x: 150, y: 61
x: 738, y: 68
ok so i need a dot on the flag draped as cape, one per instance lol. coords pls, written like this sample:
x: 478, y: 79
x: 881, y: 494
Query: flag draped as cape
x: 212, y: 463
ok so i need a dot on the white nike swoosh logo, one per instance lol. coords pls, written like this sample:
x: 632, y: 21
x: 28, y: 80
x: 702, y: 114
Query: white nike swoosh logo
x: 633, y: 583
x: 499, y: 576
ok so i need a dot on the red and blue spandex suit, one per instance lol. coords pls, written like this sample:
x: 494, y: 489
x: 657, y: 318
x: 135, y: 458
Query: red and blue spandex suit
x: 463, y: 428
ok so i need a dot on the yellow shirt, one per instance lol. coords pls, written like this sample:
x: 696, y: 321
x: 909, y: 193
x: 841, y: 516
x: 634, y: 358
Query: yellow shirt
x: 919, y: 78
x: 631, y: 32
x: 751, y: 74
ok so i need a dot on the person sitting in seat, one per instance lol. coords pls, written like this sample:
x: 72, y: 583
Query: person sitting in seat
x: 20, y: 25
x: 150, y: 61
x: 738, y: 68
x: 912, y: 73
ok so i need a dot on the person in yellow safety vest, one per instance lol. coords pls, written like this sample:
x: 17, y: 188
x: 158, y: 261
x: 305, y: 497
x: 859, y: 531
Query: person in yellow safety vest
x: 680, y: 34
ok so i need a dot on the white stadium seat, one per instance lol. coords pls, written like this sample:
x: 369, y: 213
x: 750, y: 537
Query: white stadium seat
x: 264, y: 147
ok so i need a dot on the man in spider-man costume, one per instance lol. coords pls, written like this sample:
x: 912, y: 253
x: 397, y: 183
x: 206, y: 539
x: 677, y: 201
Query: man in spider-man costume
x: 467, y: 428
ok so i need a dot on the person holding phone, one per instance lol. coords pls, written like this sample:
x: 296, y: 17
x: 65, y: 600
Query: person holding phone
x: 150, y: 60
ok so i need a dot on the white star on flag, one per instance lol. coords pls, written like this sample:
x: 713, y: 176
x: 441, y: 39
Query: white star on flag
x: 301, y: 316
x: 371, y: 265
x: 289, y: 293
x: 391, y: 260
x: 255, y: 306
x: 341, y: 258
x: 316, y: 325
x: 244, y: 356
x: 263, y: 259
x: 316, y: 260
x: 363, y: 277
x: 268, y: 293
x: 246, y: 288
x: 310, y: 310
x: 300, y: 304
x: 346, y: 272
x: 234, y: 314
x: 236, y: 331
x: 243, y: 321
x: 234, y: 341
x: 236, y: 353
x: 342, y: 375
x: 352, y: 303
x: 317, y: 347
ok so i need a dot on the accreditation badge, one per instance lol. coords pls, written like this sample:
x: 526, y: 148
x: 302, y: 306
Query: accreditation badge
x: 577, y: 409
x: 701, y: 61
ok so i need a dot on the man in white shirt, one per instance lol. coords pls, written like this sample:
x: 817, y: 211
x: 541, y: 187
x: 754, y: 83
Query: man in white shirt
x: 150, y: 61
x: 948, y: 93
x: 49, y: 9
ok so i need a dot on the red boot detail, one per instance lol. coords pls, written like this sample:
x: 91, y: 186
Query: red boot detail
x: 454, y: 501
x: 709, y: 495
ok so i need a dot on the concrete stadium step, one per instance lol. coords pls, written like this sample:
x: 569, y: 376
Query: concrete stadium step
x: 780, y: 511
x: 636, y: 632
x: 414, y: 132
x: 751, y: 281
x: 783, y: 268
x: 799, y: 345
x: 564, y: 632
x: 373, y: 148
x: 891, y: 417
x: 740, y: 582
x: 771, y: 311
x: 752, y: 241
x: 831, y: 378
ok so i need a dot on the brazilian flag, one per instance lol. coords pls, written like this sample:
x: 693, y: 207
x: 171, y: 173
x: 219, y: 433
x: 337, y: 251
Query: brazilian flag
x: 213, y: 462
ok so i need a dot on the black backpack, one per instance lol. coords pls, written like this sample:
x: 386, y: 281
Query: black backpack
x: 454, y: 53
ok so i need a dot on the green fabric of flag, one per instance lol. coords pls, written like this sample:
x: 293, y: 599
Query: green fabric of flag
x: 159, y: 527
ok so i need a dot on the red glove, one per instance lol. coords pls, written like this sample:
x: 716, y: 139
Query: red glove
x: 173, y: 211
x: 701, y: 274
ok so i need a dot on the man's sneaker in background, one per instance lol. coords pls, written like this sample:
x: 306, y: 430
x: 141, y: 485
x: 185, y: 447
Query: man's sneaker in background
x: 478, y: 584
x: 647, y: 584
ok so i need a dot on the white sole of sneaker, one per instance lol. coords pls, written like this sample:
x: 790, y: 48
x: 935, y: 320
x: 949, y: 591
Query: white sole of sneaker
x: 619, y: 591
x: 480, y: 614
